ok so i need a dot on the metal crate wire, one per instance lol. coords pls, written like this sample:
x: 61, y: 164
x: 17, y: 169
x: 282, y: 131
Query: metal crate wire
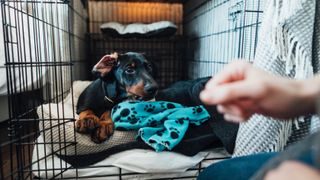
x: 40, y: 42
x: 166, y: 53
x: 220, y: 31
x: 40, y: 48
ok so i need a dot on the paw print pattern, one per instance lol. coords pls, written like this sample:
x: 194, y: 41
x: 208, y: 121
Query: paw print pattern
x: 133, y: 119
x: 174, y: 133
x: 152, y: 122
x: 125, y: 112
x: 117, y: 119
x: 149, y: 108
x: 133, y: 110
x: 180, y: 121
x: 163, y: 120
x: 166, y: 143
x: 197, y: 110
x: 170, y: 106
x: 160, y: 132
x: 162, y: 104
x: 115, y: 109
x: 151, y: 141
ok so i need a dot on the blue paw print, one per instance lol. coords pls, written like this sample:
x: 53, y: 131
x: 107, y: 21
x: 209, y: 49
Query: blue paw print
x: 152, y: 122
x: 197, y: 110
x: 149, y: 108
x: 179, y: 121
x: 174, y: 133
x: 115, y: 109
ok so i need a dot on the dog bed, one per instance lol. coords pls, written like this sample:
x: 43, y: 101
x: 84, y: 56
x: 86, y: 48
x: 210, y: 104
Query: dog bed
x: 62, y: 130
x: 57, y: 128
x: 55, y: 143
x: 156, y: 29
x: 153, y: 165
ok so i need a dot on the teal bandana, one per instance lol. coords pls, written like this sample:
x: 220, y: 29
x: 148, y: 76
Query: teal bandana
x: 160, y: 124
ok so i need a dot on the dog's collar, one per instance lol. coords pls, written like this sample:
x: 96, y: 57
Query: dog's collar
x: 106, y: 98
x: 113, y: 95
x: 110, y: 92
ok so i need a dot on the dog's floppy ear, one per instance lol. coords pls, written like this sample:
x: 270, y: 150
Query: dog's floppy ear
x: 105, y: 65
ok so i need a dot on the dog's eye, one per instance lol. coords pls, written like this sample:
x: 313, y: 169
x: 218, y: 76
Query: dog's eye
x: 130, y: 71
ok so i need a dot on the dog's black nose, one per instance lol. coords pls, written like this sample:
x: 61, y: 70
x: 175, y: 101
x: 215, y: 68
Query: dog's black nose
x: 151, y: 89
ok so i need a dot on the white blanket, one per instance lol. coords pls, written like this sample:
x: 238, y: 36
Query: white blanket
x: 161, y: 165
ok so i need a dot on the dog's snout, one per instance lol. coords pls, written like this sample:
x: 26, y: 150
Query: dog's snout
x: 151, y: 88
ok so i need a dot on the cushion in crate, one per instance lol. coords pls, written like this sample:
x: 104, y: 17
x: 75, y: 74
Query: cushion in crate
x: 156, y: 29
x: 57, y: 129
x: 56, y: 126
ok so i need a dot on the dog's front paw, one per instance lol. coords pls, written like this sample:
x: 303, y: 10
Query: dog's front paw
x: 87, y: 124
x: 102, y: 133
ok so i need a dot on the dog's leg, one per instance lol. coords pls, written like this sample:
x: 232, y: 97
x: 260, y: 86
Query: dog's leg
x: 105, y: 128
x: 87, y: 122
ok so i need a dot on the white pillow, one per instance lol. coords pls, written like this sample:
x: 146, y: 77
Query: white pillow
x: 156, y: 29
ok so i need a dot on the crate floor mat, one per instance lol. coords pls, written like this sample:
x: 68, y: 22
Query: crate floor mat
x: 57, y: 128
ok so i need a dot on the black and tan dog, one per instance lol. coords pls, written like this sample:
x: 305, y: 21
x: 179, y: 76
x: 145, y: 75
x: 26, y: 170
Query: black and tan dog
x: 121, y: 77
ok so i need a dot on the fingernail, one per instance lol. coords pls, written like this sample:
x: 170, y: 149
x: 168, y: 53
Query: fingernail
x: 204, y: 95
x: 233, y: 119
x: 227, y: 117
x: 220, y: 109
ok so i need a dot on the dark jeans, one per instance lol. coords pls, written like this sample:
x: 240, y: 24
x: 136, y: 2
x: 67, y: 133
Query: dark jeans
x: 241, y: 168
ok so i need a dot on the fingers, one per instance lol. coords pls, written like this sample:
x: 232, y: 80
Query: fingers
x: 225, y: 93
x: 235, y: 113
x: 232, y: 118
x: 232, y: 72
x: 227, y: 85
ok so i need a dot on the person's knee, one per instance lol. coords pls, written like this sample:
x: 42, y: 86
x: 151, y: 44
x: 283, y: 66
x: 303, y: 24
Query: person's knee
x: 240, y: 168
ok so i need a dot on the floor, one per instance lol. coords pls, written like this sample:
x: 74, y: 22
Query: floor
x: 9, y: 151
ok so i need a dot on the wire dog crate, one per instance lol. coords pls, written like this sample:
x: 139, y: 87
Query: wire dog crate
x: 47, y: 44
x: 220, y: 31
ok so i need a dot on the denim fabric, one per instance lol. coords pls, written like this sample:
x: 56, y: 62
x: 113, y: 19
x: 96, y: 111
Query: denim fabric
x: 240, y: 168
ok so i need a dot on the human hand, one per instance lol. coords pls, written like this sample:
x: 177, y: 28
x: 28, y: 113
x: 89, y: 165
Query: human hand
x: 293, y: 170
x: 241, y: 90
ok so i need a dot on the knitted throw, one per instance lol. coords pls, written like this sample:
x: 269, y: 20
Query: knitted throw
x: 160, y: 124
x: 288, y: 46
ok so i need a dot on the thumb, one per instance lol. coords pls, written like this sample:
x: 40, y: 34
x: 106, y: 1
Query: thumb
x: 225, y: 93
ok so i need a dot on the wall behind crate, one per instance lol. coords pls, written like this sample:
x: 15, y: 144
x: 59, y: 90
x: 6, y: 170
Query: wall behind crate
x: 219, y: 31
x: 133, y: 12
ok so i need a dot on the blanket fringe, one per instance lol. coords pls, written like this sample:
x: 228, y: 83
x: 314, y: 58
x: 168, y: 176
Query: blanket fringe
x: 287, y: 45
x: 284, y: 133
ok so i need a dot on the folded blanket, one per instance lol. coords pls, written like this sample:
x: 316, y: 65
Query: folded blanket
x: 161, y: 124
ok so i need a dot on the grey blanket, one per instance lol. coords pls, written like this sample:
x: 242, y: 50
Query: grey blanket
x: 288, y: 46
